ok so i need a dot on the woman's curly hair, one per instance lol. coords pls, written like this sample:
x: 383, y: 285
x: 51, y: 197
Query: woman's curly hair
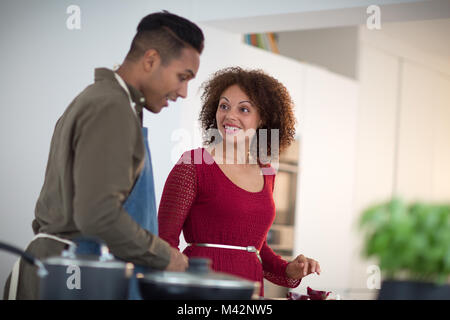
x: 266, y: 93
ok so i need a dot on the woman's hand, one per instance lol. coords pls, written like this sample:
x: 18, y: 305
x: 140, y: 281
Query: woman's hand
x: 301, y: 267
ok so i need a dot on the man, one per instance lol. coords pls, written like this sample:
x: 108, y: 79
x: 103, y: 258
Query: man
x: 99, y: 179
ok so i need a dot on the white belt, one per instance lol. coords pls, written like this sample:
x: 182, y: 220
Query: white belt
x: 226, y: 246
x: 16, y: 268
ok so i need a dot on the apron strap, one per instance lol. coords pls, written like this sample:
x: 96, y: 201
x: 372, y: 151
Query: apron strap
x: 50, y: 236
x: 14, y: 281
x: 13, y: 284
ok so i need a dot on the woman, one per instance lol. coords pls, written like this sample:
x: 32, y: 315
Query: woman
x: 221, y: 196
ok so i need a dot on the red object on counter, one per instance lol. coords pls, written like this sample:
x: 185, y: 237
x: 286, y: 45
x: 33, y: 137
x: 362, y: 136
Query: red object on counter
x: 297, y: 296
x: 312, y: 295
x: 317, y: 295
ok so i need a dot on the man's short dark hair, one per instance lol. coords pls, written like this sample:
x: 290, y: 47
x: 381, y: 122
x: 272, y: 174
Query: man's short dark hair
x: 168, y: 34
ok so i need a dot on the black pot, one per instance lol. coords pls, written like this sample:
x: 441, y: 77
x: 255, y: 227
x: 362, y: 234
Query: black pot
x: 413, y: 290
x: 80, y: 274
x: 199, y: 282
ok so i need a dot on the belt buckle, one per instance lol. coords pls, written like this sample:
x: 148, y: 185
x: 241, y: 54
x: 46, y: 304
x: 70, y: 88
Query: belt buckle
x: 251, y: 249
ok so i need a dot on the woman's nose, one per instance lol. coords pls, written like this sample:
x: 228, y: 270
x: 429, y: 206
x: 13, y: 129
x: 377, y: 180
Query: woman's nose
x: 231, y: 116
x: 233, y: 112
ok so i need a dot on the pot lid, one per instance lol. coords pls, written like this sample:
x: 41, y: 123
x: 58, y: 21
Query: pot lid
x: 88, y: 252
x: 88, y: 261
x: 199, y: 275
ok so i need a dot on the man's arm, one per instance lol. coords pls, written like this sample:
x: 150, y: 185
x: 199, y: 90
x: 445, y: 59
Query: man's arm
x: 104, y: 143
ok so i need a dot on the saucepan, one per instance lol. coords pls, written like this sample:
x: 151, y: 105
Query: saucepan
x: 199, y: 282
x: 78, y: 274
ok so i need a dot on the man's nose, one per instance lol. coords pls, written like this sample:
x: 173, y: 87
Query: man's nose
x: 182, y: 92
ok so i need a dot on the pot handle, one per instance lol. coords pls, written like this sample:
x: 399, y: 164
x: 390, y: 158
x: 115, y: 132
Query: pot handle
x: 42, y: 272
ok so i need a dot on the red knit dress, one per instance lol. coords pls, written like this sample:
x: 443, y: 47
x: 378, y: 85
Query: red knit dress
x: 200, y: 200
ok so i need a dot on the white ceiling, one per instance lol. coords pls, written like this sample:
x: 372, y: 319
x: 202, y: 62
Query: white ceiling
x: 289, y: 15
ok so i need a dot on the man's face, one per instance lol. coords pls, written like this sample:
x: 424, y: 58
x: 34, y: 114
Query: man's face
x: 168, y: 82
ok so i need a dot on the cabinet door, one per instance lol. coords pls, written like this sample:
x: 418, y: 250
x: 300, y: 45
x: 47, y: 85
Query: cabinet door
x: 326, y: 181
x: 376, y: 138
x: 376, y: 144
x: 415, y: 136
x: 441, y: 145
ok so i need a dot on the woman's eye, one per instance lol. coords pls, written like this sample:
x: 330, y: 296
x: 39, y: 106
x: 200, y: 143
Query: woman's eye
x: 223, y: 106
x: 245, y: 109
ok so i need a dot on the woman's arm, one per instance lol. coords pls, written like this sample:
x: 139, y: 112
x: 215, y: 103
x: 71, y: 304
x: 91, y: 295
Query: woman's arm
x: 178, y: 196
x: 283, y: 273
x: 274, y: 268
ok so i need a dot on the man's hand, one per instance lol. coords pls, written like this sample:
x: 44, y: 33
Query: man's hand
x: 301, y: 267
x: 178, y: 261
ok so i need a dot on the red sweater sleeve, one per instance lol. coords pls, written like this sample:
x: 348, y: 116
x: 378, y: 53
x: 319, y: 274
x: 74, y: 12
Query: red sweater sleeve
x: 177, y: 198
x: 274, y: 268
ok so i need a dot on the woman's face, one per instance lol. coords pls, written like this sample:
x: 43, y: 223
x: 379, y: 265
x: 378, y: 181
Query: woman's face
x: 236, y: 115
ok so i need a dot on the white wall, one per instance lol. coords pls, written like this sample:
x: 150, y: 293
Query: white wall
x: 403, y: 132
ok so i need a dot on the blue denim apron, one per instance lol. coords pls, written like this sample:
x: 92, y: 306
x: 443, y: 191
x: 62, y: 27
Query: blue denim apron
x: 141, y: 202
x: 141, y: 206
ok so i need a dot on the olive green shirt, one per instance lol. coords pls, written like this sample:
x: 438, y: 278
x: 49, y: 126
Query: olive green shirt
x: 96, y: 155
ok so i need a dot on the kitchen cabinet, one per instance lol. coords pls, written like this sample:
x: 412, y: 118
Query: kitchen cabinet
x: 415, y: 140
x: 328, y: 121
x: 441, y: 141
x: 375, y: 148
x: 422, y: 172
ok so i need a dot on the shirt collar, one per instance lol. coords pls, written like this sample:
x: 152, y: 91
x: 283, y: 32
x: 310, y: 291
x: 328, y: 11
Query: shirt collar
x: 136, y: 96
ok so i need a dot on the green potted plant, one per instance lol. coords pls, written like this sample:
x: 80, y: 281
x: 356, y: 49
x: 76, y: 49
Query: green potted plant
x: 412, y: 245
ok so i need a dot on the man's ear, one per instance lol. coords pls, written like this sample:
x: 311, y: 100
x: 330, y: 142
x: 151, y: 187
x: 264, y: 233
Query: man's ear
x: 151, y: 60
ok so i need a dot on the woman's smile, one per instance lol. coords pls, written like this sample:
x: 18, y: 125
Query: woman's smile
x: 231, y: 129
